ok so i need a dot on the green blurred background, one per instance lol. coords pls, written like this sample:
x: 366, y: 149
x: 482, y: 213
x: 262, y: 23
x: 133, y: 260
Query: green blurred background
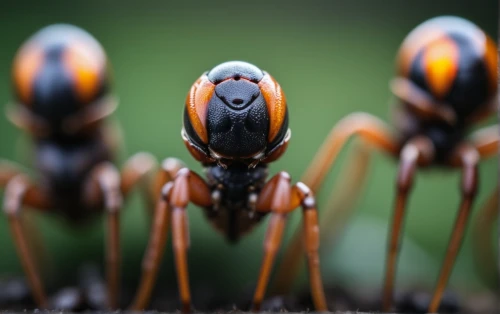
x: 330, y: 57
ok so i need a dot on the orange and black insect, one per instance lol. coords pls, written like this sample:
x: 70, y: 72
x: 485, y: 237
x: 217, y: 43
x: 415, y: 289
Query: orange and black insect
x: 446, y: 81
x: 57, y: 75
x: 244, y: 112
x: 62, y: 93
x: 235, y: 122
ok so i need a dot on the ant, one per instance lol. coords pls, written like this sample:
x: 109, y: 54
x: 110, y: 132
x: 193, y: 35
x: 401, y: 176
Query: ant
x: 235, y: 123
x: 61, y: 79
x: 446, y: 82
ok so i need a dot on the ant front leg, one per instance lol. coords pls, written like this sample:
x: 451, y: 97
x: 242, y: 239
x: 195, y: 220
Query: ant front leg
x: 106, y: 178
x: 280, y: 198
x: 417, y: 151
x: 487, y: 143
x: 274, y: 197
x: 374, y: 133
x: 303, y: 196
x: 116, y: 186
x: 466, y: 157
x: 20, y: 191
x: 158, y: 235
x: 9, y: 170
x: 187, y: 186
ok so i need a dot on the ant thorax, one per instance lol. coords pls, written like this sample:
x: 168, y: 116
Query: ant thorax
x: 234, y: 194
x: 444, y: 136
x: 63, y: 165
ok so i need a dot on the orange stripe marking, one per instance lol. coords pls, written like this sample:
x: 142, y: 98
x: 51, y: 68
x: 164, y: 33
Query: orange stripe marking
x: 441, y: 65
x: 26, y: 65
x: 86, y: 67
x: 197, y: 105
x: 276, y: 104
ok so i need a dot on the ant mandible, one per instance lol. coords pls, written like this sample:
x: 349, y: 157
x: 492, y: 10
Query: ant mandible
x: 61, y: 80
x: 235, y: 123
x: 446, y: 82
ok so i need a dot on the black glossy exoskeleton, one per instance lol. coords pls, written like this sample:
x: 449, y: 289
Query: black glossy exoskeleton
x: 446, y: 81
x: 62, y: 99
x: 235, y: 122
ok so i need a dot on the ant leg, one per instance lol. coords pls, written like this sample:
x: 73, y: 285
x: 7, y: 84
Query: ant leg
x: 135, y: 171
x: 274, y: 198
x: 468, y: 158
x: 8, y: 170
x: 482, y: 238
x: 418, y: 150
x: 154, y: 251
x: 158, y: 236
x: 368, y: 127
x: 180, y: 242
x: 338, y: 210
x: 20, y: 191
x: 303, y: 196
x: 170, y: 167
x: 188, y: 186
x: 372, y: 131
x: 487, y: 143
x: 198, y: 192
x: 138, y: 170
x: 107, y: 179
x: 347, y: 191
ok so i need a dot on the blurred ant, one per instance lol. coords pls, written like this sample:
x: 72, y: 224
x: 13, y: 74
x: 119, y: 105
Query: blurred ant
x: 235, y: 123
x: 446, y: 83
x: 61, y: 81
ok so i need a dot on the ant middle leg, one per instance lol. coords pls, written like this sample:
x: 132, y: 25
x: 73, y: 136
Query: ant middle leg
x: 483, y: 246
x: 20, y: 191
x: 8, y: 170
x: 337, y: 212
x: 374, y: 133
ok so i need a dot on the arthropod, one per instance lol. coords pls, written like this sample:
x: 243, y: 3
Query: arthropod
x: 446, y: 82
x: 235, y: 123
x: 63, y: 97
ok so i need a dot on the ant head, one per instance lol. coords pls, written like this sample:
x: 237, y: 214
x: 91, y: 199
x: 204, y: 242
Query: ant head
x: 236, y: 112
x: 59, y: 72
x: 452, y: 62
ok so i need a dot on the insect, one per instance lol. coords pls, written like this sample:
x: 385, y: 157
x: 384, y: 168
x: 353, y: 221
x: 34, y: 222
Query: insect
x: 61, y: 80
x: 446, y: 82
x: 235, y: 123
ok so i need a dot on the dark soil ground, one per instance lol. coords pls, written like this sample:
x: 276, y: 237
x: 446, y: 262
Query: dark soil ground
x: 90, y: 295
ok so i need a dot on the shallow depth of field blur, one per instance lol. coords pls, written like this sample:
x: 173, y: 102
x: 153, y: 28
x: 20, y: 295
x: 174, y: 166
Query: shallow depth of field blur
x: 330, y: 57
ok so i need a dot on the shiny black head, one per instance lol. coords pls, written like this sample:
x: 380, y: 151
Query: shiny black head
x: 453, y: 62
x: 58, y: 72
x: 235, y: 112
